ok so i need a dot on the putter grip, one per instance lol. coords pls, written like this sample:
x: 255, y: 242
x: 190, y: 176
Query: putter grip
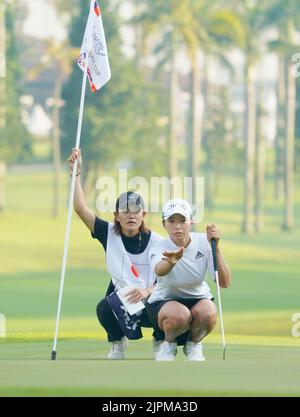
x: 214, y: 252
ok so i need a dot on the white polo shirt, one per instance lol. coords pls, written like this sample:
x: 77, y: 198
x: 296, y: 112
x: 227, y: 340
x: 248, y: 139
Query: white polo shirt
x: 187, y: 278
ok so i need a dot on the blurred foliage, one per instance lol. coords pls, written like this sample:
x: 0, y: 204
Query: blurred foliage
x: 128, y: 122
x: 120, y: 120
x: 222, y: 152
x: 297, y: 144
x: 15, y: 140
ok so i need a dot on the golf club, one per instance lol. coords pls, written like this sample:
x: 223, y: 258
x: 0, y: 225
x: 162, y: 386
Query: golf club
x: 214, y: 252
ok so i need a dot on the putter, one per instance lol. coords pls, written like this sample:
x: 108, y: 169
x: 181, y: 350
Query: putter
x: 214, y: 252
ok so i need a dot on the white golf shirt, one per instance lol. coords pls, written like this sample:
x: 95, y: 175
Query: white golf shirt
x: 187, y: 278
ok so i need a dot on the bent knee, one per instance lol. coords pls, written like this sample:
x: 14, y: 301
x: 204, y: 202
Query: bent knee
x: 209, y: 318
x: 102, y: 307
x: 181, y: 319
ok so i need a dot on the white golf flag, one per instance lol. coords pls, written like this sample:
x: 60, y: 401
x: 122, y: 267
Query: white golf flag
x: 94, y: 46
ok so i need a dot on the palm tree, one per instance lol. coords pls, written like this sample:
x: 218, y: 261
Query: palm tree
x: 252, y: 17
x: 250, y: 145
x: 280, y: 131
x: 174, y: 89
x: 290, y: 134
x: 2, y: 100
x: 196, y: 25
x: 260, y: 159
x: 13, y: 136
x: 216, y: 29
x: 156, y: 18
x: 286, y: 16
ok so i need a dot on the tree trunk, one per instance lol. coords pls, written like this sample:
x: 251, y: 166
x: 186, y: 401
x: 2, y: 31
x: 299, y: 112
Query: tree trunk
x: 210, y: 92
x: 260, y: 163
x: 250, y: 150
x: 289, y: 147
x: 2, y: 39
x: 2, y: 102
x: 197, y: 113
x: 2, y: 185
x: 279, y: 140
x: 173, y: 162
x: 139, y: 40
x: 56, y: 145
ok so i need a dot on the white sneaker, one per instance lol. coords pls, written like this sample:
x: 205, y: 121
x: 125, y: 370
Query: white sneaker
x: 156, y: 344
x: 117, y: 350
x: 167, y: 351
x: 193, y: 351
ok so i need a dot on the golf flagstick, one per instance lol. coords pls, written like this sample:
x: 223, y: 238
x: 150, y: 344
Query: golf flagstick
x: 93, y: 37
x: 70, y: 209
x: 214, y: 252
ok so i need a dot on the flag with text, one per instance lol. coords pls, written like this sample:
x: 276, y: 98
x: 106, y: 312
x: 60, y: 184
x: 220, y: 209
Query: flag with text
x: 94, y: 48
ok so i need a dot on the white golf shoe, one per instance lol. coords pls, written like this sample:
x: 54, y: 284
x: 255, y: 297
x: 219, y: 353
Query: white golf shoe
x: 156, y: 344
x: 117, y: 350
x: 193, y: 351
x: 167, y: 351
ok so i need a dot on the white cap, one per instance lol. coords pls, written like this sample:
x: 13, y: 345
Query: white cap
x: 177, y: 206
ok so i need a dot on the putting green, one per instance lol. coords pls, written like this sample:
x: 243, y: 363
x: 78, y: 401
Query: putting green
x: 81, y: 369
x: 262, y: 356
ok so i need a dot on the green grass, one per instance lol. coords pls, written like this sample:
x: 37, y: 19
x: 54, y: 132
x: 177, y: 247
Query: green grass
x: 262, y: 356
x: 81, y: 369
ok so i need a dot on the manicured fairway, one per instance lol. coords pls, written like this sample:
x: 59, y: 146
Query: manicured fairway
x: 81, y: 369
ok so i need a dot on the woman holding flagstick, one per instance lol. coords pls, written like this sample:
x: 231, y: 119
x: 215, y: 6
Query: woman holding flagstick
x: 127, y: 243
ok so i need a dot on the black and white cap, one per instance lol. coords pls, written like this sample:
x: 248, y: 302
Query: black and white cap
x: 130, y: 201
x: 177, y: 206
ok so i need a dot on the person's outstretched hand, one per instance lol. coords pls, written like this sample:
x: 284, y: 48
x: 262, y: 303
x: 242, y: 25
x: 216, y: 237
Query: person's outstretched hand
x: 173, y: 256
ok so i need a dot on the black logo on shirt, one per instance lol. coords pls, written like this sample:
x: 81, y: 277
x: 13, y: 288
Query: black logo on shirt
x: 199, y: 255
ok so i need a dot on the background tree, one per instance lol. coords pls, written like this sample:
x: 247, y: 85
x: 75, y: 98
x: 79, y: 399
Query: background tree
x: 195, y: 26
x: 285, y: 15
x: 216, y: 143
x: 158, y: 21
x: 114, y: 117
x: 101, y: 122
x: 297, y: 144
x: 2, y: 96
x: 15, y: 144
x: 252, y: 17
x: 60, y: 57
x: 260, y: 158
x: 217, y: 29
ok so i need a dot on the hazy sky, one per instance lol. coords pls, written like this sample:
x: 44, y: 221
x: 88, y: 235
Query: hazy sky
x: 42, y: 21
